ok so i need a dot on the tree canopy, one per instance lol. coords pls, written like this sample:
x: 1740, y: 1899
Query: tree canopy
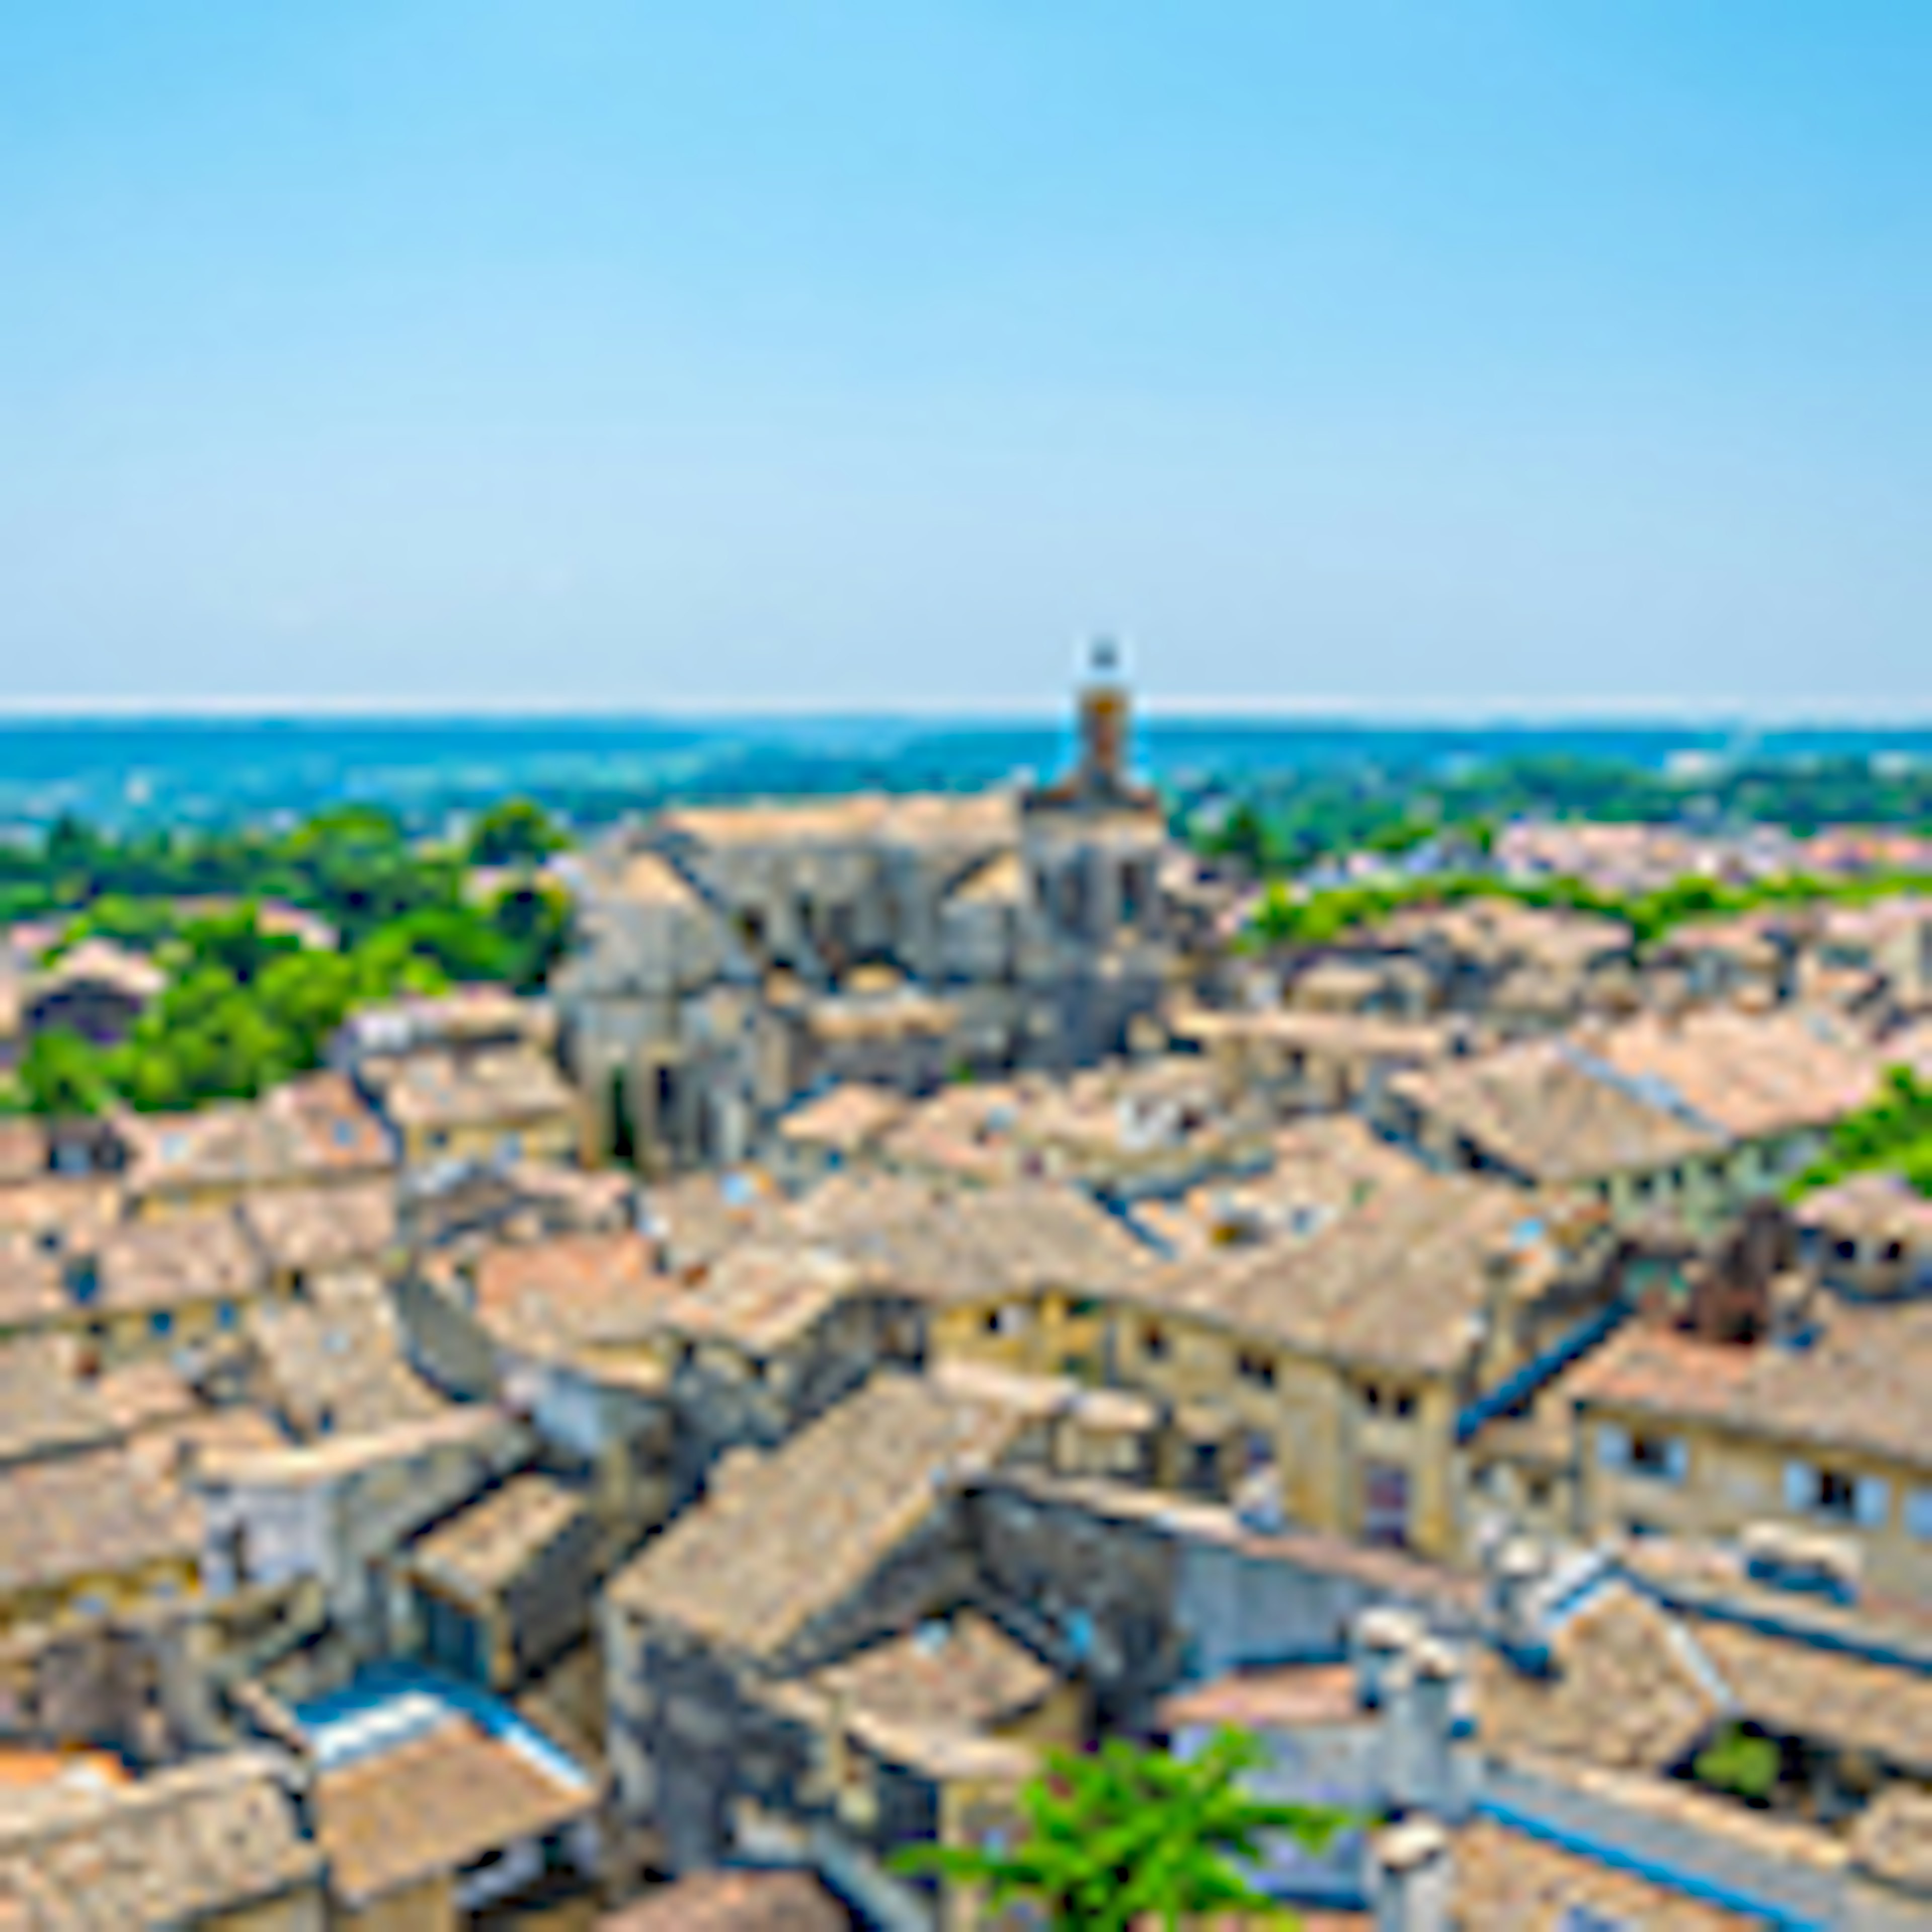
x: 1125, y: 1834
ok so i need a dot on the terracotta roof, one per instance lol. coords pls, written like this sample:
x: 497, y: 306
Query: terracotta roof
x: 782, y: 1537
x: 699, y: 1215
x: 77, y: 1211
x: 432, y: 1803
x: 986, y: 1244
x: 44, y: 1409
x: 1510, y: 1881
x: 1871, y: 1207
x: 482, y: 1548
x: 190, y: 1845
x: 1295, y: 1696
x: 184, y: 1258
x: 23, y: 1151
x: 508, y: 1086
x: 1406, y: 1281
x: 1753, y: 1075
x: 1541, y: 1109
x: 314, y: 1129
x: 762, y: 1297
x: 308, y: 1229
x: 33, y: 1291
x: 550, y: 1299
x: 1362, y: 1037
x: 107, y: 962
x: 733, y: 1901
x: 845, y: 1118
x: 1893, y: 1838
x: 1866, y: 1383
x: 1808, y: 1690
x: 960, y: 1674
x: 89, y: 1514
x: 1627, y: 1692
x: 1322, y: 1168
x: 337, y: 1363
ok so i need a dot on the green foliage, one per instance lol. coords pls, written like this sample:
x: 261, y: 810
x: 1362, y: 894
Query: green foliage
x: 1126, y: 1833
x: 60, y: 1074
x: 1740, y: 1763
x: 518, y: 831
x: 1893, y: 1134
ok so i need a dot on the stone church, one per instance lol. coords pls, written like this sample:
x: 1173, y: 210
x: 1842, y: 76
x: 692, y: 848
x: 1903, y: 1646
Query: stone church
x: 733, y: 958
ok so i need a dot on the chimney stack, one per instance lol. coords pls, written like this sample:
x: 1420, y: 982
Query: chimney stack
x: 1418, y: 1771
x: 1413, y: 1877
x: 1516, y: 1575
x: 1377, y: 1640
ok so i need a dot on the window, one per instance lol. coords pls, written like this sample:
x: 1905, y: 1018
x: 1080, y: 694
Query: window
x: 1255, y: 1368
x: 1666, y: 1458
x: 1862, y: 1501
x: 1404, y: 1405
x: 1154, y: 1344
x: 1372, y: 1398
x: 1385, y: 1505
x: 161, y: 1321
x: 1919, y: 1514
x: 226, y: 1315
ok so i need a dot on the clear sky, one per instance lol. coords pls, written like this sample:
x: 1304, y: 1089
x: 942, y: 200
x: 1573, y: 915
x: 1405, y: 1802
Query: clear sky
x: 868, y: 353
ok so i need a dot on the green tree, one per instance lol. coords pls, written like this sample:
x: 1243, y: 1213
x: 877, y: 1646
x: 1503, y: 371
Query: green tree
x: 1126, y: 1833
x: 61, y: 1075
x: 518, y: 831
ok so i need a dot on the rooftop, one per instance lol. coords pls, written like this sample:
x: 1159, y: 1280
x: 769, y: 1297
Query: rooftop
x: 1540, y: 1109
x: 503, y: 1086
x: 478, y: 1551
x: 780, y: 1538
x: 1865, y: 1383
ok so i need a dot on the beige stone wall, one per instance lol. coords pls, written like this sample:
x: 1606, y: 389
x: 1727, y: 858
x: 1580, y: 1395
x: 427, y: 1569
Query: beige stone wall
x: 430, y: 1906
x: 1729, y: 1480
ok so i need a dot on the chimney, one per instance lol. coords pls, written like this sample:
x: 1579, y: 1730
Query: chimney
x: 1516, y: 1575
x: 1413, y: 1877
x: 1418, y: 1719
x: 1378, y: 1640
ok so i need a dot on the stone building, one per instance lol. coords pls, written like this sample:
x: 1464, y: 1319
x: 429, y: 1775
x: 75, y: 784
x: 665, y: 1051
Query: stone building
x: 733, y: 958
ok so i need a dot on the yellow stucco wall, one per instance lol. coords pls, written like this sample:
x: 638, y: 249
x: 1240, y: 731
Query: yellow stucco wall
x: 1730, y: 1479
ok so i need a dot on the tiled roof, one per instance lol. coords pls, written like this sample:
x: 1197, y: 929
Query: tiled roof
x: 89, y: 1514
x: 1405, y: 1281
x: 1865, y: 1383
x: 1797, y: 1689
x: 506, y: 1086
x: 315, y: 1129
x: 486, y: 1547
x: 780, y: 1538
x: 336, y: 1362
x: 962, y: 1674
x: 313, y: 1227
x: 1627, y: 1691
x: 33, y: 1293
x: 845, y: 1118
x: 985, y: 1243
x: 1510, y: 1881
x: 936, y: 818
x: 762, y: 1297
x: 549, y: 1299
x: 1295, y: 1696
x: 1753, y: 1075
x: 44, y: 1409
x: 1542, y: 1110
x: 188, y: 1846
x: 1893, y: 1839
x: 432, y: 1803
x: 184, y: 1258
x: 23, y: 1151
x: 1871, y: 1207
x: 733, y: 1901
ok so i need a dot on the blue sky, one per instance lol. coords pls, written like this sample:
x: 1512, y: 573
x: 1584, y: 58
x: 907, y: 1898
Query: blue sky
x: 870, y: 353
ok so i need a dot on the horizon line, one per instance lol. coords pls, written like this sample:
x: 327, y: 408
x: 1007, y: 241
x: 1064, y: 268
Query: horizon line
x: 1497, y: 713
